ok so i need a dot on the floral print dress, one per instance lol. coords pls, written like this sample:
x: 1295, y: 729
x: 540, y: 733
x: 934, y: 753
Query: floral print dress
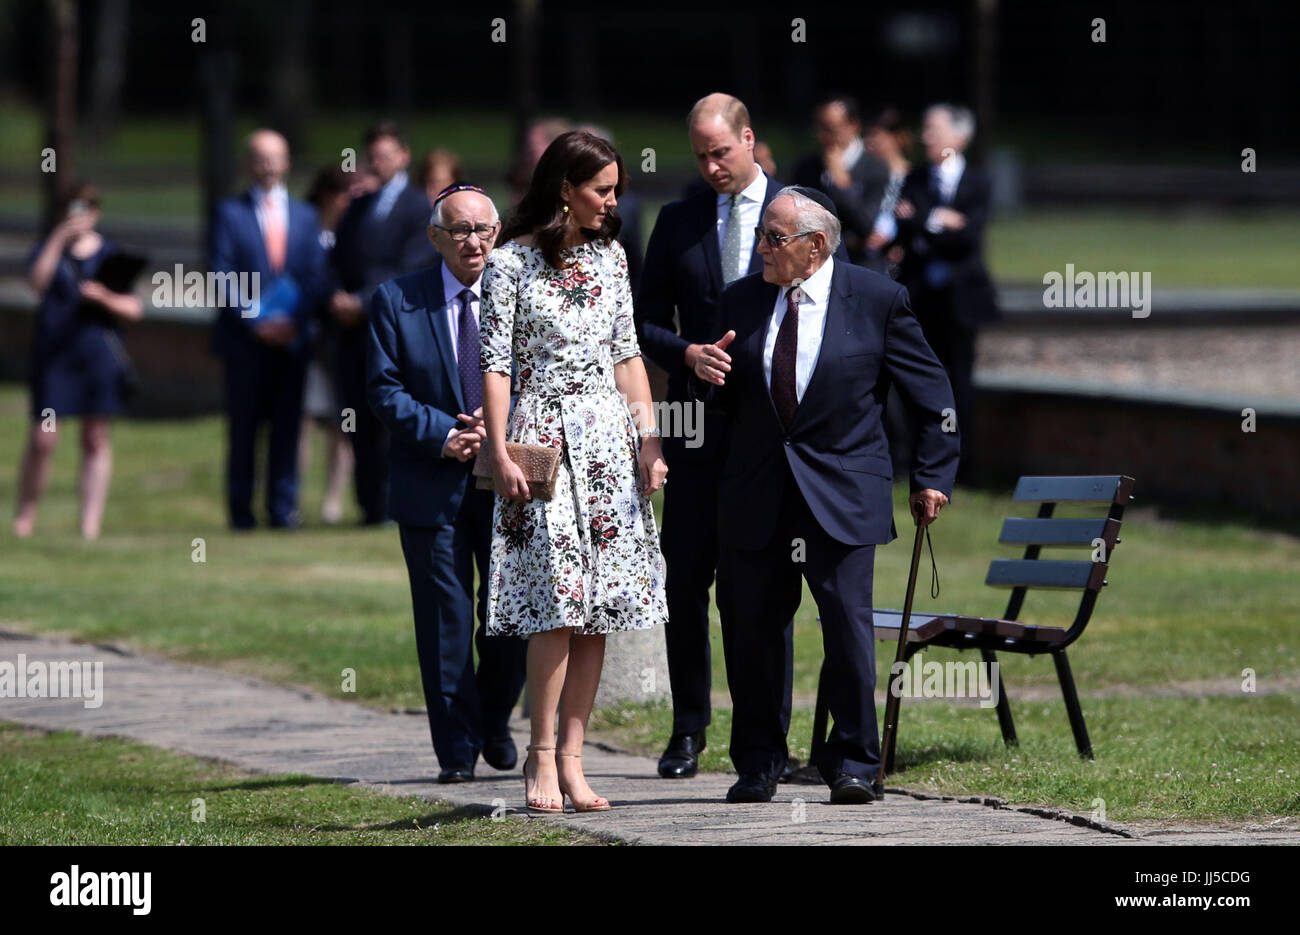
x: 589, y: 557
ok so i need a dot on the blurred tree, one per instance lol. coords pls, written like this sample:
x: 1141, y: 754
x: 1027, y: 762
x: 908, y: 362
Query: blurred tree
x: 523, y: 39
x: 108, y: 67
x: 290, y: 73
x: 61, y: 105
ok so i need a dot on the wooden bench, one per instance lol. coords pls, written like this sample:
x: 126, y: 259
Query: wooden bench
x: 1009, y: 633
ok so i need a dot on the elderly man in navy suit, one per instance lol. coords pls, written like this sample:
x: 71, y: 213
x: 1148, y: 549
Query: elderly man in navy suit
x: 425, y: 386
x: 275, y: 237
x: 810, y: 349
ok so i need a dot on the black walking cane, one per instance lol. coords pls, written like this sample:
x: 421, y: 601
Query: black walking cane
x: 893, y: 699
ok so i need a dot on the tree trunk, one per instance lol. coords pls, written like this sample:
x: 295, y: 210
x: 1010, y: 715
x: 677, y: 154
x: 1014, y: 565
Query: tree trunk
x: 61, y: 106
x: 108, y: 72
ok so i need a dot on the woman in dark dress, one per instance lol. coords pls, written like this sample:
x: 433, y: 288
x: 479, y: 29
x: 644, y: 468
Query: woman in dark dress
x: 77, y: 361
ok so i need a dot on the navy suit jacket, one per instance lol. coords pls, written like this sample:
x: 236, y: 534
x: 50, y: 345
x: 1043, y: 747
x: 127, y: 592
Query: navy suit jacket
x: 413, y: 386
x: 836, y: 445
x: 858, y: 205
x: 683, y: 275
x: 974, y: 300
x: 237, y: 246
x: 368, y: 251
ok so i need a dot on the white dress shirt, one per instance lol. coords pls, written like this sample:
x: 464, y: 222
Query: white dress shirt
x: 751, y: 212
x: 388, y: 195
x: 852, y: 153
x: 451, y: 289
x: 812, y: 324
x: 279, y: 203
x: 949, y: 171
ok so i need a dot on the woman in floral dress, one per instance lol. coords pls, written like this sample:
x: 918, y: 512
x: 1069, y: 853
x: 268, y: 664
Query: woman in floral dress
x: 566, y: 571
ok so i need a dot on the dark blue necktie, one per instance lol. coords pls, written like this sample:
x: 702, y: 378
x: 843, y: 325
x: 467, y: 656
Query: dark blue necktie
x: 938, y: 273
x: 783, y: 358
x: 936, y: 186
x: 467, y: 354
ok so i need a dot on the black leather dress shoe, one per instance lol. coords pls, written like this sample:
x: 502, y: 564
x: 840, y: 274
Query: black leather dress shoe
x: 850, y: 790
x: 752, y: 787
x: 456, y: 774
x: 501, y: 753
x: 681, y: 760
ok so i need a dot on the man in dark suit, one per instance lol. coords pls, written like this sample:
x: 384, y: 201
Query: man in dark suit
x: 845, y: 172
x: 266, y: 233
x: 425, y: 386
x: 698, y: 245
x: 382, y: 235
x: 810, y: 349
x: 942, y: 212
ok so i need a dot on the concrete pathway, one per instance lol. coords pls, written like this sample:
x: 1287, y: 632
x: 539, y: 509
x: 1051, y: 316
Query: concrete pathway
x: 271, y: 729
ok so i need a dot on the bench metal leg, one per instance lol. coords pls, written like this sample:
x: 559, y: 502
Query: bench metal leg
x: 1004, y: 706
x: 1072, y: 704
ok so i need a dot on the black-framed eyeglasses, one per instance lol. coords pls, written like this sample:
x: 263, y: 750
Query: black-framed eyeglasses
x: 460, y: 233
x: 774, y: 240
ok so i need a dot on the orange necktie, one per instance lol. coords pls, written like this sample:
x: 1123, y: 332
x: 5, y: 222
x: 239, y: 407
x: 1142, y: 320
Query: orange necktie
x: 274, y: 233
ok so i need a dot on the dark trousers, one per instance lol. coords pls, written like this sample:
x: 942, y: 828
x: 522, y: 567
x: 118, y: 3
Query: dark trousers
x: 369, y: 438
x: 688, y: 538
x: 759, y: 590
x: 465, y: 707
x: 263, y: 384
x: 954, y: 344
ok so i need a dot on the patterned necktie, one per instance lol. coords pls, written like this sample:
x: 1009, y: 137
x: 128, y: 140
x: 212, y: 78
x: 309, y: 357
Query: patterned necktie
x: 783, y: 357
x: 731, y: 269
x: 273, y: 233
x: 467, y: 354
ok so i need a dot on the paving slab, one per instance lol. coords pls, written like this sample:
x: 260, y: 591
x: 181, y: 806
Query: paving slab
x: 274, y: 729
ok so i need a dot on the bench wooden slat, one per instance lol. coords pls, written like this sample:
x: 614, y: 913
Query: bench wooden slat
x: 920, y: 628
x: 1005, y: 629
x: 1019, y: 530
x: 1100, y: 488
x: 1045, y: 573
x: 925, y: 627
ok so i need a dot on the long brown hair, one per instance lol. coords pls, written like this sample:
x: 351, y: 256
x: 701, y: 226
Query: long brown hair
x: 577, y: 156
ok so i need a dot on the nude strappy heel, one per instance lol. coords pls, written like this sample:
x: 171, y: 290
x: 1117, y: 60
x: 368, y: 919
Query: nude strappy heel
x: 534, y: 804
x: 581, y: 806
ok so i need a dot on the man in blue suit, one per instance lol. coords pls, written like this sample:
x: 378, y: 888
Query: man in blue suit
x: 698, y: 246
x: 266, y: 233
x: 425, y: 387
x: 382, y: 235
x: 810, y: 350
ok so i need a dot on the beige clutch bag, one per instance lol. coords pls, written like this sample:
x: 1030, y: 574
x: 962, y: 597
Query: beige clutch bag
x: 540, y: 463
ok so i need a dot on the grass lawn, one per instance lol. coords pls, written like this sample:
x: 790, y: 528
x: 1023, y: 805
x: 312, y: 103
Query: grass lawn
x: 65, y: 789
x: 1198, y: 598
